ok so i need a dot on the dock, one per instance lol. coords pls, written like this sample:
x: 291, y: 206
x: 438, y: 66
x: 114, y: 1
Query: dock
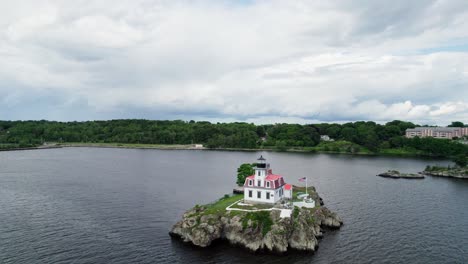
x: 238, y: 190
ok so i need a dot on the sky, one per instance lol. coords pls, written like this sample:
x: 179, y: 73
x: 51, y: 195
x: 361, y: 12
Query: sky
x: 225, y: 60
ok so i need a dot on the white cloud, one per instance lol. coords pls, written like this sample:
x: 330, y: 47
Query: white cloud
x: 265, y: 60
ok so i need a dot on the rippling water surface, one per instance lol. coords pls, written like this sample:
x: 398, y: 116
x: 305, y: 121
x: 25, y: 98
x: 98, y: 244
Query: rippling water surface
x: 91, y: 205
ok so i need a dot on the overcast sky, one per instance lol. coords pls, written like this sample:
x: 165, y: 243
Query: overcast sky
x: 254, y: 61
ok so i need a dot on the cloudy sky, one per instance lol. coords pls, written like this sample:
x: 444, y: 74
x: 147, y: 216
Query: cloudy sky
x: 256, y: 61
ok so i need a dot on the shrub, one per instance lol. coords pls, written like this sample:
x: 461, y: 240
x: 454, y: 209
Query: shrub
x: 295, y: 212
x: 261, y: 219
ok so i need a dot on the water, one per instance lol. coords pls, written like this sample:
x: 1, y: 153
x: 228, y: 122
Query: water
x: 90, y: 205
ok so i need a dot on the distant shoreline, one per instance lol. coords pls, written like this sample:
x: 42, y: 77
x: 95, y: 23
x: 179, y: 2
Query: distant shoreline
x: 32, y: 148
x: 130, y: 146
x: 192, y: 147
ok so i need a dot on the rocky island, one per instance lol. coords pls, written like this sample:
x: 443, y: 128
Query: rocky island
x: 262, y: 230
x: 397, y: 175
x: 270, y: 215
x: 451, y: 172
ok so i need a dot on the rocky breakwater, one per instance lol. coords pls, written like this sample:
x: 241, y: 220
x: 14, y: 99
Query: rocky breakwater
x: 256, y: 231
x: 396, y: 175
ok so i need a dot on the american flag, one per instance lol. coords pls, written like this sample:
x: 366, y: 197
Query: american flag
x: 302, y: 179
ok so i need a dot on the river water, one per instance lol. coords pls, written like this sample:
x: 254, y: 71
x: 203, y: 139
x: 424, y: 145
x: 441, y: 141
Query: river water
x: 97, y: 205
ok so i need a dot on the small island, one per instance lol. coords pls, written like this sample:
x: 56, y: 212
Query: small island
x: 397, y: 175
x: 451, y: 172
x: 270, y: 216
x: 460, y: 171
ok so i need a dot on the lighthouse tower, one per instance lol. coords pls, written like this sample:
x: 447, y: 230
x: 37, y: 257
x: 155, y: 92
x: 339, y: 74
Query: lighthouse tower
x: 261, y: 171
x: 264, y: 186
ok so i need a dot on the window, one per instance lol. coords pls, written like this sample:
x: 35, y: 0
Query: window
x: 250, y: 193
x: 268, y: 184
x: 258, y: 173
x: 259, y: 194
x: 268, y: 196
x: 259, y: 183
x: 250, y: 182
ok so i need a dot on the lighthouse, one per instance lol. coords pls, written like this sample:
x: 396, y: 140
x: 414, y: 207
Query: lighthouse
x: 264, y: 186
x: 261, y: 171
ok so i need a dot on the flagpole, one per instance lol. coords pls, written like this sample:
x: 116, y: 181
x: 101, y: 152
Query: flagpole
x: 306, y: 188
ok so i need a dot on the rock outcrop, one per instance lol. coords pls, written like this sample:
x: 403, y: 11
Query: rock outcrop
x: 256, y: 231
x: 452, y: 173
x: 396, y: 174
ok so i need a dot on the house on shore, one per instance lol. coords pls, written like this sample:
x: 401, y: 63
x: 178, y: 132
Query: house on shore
x: 264, y: 186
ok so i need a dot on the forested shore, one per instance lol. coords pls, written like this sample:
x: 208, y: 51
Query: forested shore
x: 354, y: 137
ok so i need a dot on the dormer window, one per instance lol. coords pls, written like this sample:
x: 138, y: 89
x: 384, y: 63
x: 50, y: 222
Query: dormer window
x: 250, y: 182
x: 268, y: 184
x: 258, y: 173
x: 259, y: 183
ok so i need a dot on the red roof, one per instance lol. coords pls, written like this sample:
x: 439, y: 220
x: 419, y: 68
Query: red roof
x: 273, y: 177
x: 276, y: 181
x: 288, y: 187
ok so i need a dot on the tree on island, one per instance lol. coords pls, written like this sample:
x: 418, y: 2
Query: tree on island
x: 243, y: 172
x: 461, y: 160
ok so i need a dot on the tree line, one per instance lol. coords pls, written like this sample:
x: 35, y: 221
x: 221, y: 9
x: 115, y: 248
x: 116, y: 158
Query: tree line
x: 368, y: 135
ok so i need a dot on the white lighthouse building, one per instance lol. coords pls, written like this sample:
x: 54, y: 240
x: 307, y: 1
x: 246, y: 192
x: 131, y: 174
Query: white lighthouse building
x: 264, y: 186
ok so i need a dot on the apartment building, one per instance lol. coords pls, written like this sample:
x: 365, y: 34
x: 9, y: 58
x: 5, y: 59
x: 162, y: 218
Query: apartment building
x: 437, y: 132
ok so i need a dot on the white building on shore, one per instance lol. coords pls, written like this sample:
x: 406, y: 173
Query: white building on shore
x: 264, y: 186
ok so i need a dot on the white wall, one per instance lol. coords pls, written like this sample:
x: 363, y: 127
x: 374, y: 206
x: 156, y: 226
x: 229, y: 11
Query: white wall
x: 260, y: 177
x: 304, y: 204
x: 273, y: 196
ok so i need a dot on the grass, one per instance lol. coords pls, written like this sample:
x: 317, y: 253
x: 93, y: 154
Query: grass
x: 295, y: 212
x: 437, y: 168
x: 125, y: 145
x: 333, y: 147
x: 261, y: 219
x: 330, y: 146
x: 220, y: 205
x: 8, y: 146
x: 299, y: 190
x: 253, y: 207
x: 401, y: 152
x: 340, y: 146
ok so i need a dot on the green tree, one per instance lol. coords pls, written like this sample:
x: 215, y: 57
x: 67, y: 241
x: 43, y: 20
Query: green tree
x: 457, y: 124
x: 370, y: 135
x: 461, y: 160
x: 281, y: 145
x: 245, y: 170
x: 333, y: 131
x: 261, y: 131
x: 349, y: 134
